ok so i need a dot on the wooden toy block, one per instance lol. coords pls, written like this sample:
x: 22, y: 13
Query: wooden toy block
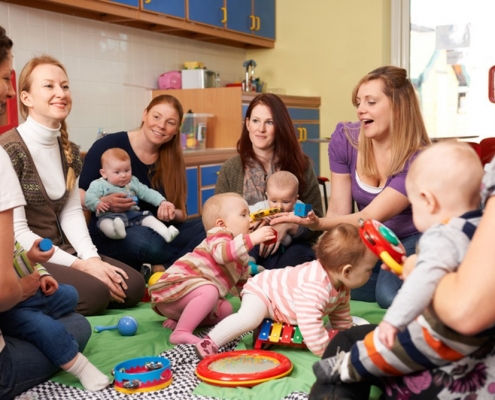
x: 302, y: 210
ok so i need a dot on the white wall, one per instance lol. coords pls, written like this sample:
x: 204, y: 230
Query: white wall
x: 111, y: 68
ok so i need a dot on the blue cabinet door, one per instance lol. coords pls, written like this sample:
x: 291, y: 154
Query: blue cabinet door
x: 175, y: 8
x: 205, y: 195
x: 240, y: 16
x: 210, y: 12
x: 264, y: 11
x: 209, y: 174
x: 192, y: 201
x: 134, y: 3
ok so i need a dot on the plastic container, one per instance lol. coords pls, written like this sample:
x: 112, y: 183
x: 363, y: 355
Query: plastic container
x: 193, y: 131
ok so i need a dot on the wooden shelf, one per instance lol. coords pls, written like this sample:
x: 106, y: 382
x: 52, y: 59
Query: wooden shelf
x: 147, y: 20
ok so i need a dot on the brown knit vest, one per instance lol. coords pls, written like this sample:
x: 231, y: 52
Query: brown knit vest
x: 41, y: 212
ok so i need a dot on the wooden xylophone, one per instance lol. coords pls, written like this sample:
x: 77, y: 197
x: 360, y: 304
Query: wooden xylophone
x: 272, y: 333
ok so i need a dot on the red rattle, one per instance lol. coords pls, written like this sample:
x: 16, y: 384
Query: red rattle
x: 383, y: 242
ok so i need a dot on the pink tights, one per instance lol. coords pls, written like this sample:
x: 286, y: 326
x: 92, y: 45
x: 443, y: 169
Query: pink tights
x: 200, y: 307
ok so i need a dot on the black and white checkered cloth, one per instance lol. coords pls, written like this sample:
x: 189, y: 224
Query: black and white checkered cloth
x: 183, y: 360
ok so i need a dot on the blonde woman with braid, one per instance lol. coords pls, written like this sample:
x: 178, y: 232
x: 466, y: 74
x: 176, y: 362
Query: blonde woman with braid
x: 48, y: 167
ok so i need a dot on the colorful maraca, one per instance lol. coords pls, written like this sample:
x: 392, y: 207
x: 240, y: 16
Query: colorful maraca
x: 127, y: 326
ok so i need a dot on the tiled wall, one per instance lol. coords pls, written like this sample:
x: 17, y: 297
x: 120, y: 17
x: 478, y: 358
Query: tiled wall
x: 111, y: 68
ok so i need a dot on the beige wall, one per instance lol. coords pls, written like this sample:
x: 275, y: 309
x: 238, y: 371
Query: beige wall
x: 323, y: 48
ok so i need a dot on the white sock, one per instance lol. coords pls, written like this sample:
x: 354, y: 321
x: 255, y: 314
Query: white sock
x: 119, y: 227
x: 169, y: 233
x: 91, y: 378
x: 113, y: 228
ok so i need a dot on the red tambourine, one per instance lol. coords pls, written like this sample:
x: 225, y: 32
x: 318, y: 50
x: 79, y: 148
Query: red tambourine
x: 383, y: 242
x: 245, y: 368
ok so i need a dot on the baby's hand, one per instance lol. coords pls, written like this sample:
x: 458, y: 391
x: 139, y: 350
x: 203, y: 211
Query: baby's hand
x: 48, y: 285
x: 409, y: 264
x: 102, y: 207
x: 35, y: 255
x: 166, y: 211
x: 386, y: 334
x: 262, y: 235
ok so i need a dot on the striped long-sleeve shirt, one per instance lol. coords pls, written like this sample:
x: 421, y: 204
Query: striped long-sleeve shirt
x: 23, y: 266
x: 423, y: 342
x: 302, y: 296
x: 220, y: 259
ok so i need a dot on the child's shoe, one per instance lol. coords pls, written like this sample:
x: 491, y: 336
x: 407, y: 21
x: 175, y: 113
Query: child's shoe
x: 206, y: 347
x: 327, y: 370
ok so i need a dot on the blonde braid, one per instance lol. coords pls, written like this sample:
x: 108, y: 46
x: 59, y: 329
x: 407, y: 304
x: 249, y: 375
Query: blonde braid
x: 71, y: 175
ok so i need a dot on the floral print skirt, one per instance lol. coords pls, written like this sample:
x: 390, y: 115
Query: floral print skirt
x: 471, y: 378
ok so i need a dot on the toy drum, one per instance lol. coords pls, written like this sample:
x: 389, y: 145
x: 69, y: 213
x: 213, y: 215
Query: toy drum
x: 143, y: 374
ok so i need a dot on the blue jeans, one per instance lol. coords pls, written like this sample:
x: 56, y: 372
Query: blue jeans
x: 23, y: 365
x: 144, y: 245
x: 36, y: 320
x: 294, y: 254
x: 383, y: 286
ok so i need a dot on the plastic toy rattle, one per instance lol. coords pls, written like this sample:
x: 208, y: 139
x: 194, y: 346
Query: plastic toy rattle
x: 45, y: 244
x: 127, y: 326
x: 143, y: 374
x: 256, y: 216
x: 383, y: 242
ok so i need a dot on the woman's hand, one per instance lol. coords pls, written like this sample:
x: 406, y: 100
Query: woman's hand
x: 111, y: 276
x: 311, y: 221
x: 30, y: 285
x: 166, y: 211
x: 118, y: 202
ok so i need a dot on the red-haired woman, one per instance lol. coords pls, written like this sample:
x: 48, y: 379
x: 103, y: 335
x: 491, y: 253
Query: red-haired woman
x: 268, y: 143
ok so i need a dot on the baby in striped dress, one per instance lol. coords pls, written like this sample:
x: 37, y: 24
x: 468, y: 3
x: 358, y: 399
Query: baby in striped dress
x: 302, y: 295
x: 192, y: 291
x: 443, y: 186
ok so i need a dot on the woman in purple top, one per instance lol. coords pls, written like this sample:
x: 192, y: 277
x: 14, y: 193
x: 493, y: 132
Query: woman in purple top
x: 369, y: 161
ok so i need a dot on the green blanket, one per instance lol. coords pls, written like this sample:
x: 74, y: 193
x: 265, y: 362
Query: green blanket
x: 108, y: 348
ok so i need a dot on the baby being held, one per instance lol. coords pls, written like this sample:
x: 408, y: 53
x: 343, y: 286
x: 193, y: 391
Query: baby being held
x: 443, y: 186
x: 116, y: 177
x: 282, y: 189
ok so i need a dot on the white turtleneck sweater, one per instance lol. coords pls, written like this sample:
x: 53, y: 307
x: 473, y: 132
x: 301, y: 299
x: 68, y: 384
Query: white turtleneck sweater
x: 43, y: 146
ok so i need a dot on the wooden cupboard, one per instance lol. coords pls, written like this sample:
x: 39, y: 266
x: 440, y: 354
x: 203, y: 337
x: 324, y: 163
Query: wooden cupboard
x: 239, y: 23
x: 228, y: 106
x: 252, y: 17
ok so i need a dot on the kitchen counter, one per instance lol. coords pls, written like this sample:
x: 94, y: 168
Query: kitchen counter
x: 208, y: 156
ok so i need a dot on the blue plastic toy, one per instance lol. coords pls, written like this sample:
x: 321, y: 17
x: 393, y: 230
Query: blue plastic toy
x: 302, y: 210
x: 45, y: 245
x: 127, y: 326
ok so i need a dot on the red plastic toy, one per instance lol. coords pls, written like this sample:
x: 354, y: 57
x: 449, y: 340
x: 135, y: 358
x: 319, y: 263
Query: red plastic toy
x: 243, y: 368
x: 383, y: 242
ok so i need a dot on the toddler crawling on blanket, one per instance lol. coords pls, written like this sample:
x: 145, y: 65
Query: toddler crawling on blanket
x: 302, y: 295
